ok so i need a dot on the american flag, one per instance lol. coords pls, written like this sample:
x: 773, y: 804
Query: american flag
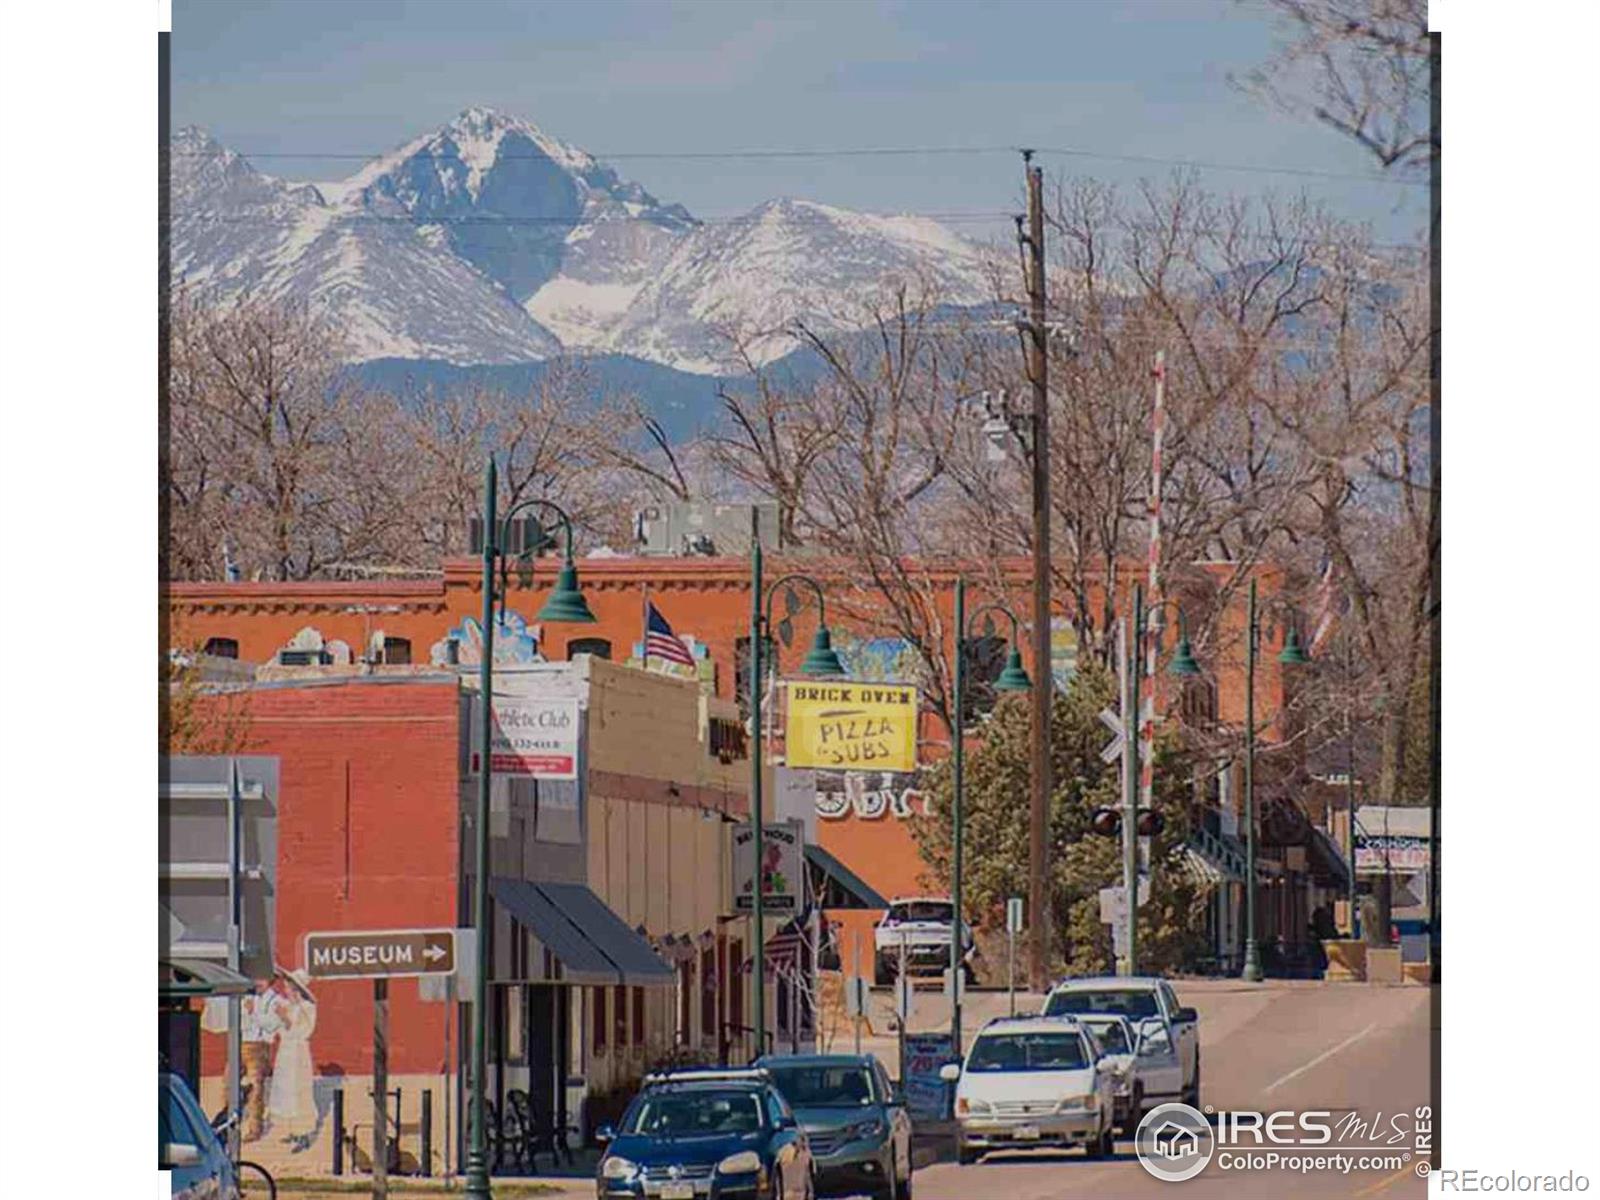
x: 1326, y: 608
x: 783, y: 947
x: 660, y: 641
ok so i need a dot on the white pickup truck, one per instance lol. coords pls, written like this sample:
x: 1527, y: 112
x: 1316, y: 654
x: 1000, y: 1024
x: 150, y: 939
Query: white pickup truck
x: 920, y: 926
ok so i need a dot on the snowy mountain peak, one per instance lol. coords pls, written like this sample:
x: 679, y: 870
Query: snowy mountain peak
x: 488, y: 240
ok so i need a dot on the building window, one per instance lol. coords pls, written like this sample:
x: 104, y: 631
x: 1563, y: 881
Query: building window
x: 638, y: 1016
x: 397, y: 651
x: 741, y: 669
x: 735, y: 984
x: 594, y: 647
x: 220, y: 647
x: 619, y: 1015
x: 685, y: 1008
x: 599, y: 1030
x: 708, y: 993
x: 304, y: 658
x: 726, y: 740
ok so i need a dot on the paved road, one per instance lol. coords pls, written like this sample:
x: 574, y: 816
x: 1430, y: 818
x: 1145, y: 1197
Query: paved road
x: 1338, y: 1047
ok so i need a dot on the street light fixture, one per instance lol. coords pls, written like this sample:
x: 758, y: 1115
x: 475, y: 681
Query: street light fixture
x: 821, y: 662
x: 565, y: 604
x: 1012, y: 679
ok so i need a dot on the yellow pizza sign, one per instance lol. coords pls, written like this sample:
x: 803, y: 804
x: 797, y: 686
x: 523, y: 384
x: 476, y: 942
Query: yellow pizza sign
x: 852, y: 726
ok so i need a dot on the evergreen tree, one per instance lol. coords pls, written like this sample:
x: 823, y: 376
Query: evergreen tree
x: 1081, y: 862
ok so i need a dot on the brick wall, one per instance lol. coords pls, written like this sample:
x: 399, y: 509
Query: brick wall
x: 367, y: 835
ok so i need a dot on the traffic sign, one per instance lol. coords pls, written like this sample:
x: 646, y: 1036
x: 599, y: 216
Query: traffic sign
x: 1113, y: 748
x: 905, y: 996
x: 1014, y: 915
x: 961, y: 983
x: 381, y: 953
x: 855, y: 995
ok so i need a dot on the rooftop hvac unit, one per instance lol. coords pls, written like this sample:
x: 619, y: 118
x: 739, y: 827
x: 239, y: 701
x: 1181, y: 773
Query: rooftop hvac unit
x: 683, y: 529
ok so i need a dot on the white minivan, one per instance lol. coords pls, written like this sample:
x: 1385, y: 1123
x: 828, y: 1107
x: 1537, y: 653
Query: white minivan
x: 1029, y: 1082
x: 1168, y: 1060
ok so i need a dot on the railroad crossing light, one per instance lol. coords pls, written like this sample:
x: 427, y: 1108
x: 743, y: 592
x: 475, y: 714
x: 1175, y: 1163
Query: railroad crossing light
x: 1150, y: 823
x: 1106, y: 821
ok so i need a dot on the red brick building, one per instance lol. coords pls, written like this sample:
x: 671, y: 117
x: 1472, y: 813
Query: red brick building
x: 864, y: 820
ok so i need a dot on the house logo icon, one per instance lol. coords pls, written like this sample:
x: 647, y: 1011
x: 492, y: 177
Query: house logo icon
x: 1174, y: 1142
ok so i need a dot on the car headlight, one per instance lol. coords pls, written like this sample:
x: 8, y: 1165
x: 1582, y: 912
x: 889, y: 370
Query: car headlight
x: 617, y: 1167
x: 975, y: 1108
x: 866, y: 1129
x: 743, y: 1163
x: 1079, y: 1103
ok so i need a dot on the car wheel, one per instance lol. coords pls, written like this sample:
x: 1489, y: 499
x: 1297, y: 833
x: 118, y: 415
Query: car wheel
x: 1096, y: 1148
x: 1135, y: 1112
x: 1191, y: 1095
x: 965, y: 1157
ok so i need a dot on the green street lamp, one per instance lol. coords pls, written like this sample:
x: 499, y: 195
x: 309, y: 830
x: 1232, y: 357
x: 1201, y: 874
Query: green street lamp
x: 1291, y: 655
x: 565, y: 604
x: 821, y: 662
x: 1012, y: 679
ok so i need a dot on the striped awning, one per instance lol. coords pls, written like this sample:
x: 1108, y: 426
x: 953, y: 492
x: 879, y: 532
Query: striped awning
x: 1199, y: 871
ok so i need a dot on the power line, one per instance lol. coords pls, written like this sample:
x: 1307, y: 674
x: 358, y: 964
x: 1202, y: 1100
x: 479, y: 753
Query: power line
x: 767, y: 154
x: 733, y: 219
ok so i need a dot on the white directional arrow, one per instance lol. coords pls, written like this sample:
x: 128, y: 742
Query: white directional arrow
x: 1113, y: 748
x: 433, y: 952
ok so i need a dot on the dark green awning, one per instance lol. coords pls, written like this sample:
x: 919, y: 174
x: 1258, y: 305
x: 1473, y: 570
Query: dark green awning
x: 592, y: 943
x: 184, y: 977
x: 842, y: 882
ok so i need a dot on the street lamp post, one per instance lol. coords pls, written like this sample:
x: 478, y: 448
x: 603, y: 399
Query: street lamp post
x: 566, y: 603
x: 1291, y: 655
x: 1012, y: 679
x: 820, y: 663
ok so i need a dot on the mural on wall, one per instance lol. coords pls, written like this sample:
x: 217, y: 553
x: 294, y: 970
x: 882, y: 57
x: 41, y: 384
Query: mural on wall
x: 1063, y: 651
x: 515, y: 642
x: 281, y: 1096
x: 308, y: 648
x: 869, y: 795
x: 879, y: 659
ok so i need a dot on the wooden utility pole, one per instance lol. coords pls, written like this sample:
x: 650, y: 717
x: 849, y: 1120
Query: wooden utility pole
x: 1043, y: 680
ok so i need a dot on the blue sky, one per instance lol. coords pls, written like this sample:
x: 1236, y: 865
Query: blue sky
x: 1139, y: 78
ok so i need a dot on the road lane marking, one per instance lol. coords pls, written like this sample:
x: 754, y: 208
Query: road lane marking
x: 1323, y: 1057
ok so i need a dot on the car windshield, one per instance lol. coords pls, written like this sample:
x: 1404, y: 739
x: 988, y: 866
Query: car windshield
x: 1028, y: 1052
x: 1112, y: 1035
x: 825, y: 1086
x: 699, y: 1113
x: 1125, y: 1002
x: 921, y: 910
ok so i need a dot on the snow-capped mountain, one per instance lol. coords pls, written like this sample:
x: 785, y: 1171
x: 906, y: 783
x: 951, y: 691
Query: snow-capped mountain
x: 489, y: 241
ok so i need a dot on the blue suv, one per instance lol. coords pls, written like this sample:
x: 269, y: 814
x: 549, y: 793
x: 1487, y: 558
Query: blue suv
x: 855, y: 1119
x: 717, y: 1134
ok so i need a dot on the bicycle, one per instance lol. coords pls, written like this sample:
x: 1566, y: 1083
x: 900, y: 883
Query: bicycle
x: 254, y: 1179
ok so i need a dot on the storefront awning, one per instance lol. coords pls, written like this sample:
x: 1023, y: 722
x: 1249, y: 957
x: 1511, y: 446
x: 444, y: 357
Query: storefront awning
x: 186, y: 977
x: 843, y: 881
x: 592, y: 943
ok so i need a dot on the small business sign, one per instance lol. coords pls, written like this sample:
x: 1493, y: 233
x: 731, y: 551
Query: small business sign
x: 925, y: 1092
x: 856, y: 726
x: 381, y: 953
x: 781, y: 867
x: 531, y: 737
x: 1379, y: 855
